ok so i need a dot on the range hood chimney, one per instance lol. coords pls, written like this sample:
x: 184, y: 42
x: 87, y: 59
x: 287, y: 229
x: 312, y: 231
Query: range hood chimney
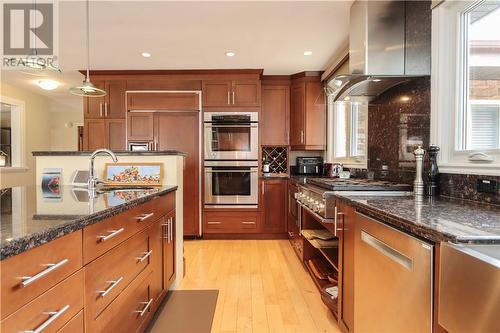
x: 389, y: 43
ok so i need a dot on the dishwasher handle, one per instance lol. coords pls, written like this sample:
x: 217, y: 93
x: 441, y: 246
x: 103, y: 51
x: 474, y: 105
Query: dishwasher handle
x: 387, y: 250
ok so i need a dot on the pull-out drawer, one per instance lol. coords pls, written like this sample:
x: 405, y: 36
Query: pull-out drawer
x: 31, y: 273
x: 103, y: 236
x: 75, y: 325
x: 50, y: 311
x: 129, y: 311
x: 221, y: 222
x: 109, y: 275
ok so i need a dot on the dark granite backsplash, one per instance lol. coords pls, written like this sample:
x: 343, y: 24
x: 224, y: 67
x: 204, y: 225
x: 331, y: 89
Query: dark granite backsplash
x: 398, y: 121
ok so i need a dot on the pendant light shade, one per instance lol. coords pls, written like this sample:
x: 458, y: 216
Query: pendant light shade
x: 87, y: 89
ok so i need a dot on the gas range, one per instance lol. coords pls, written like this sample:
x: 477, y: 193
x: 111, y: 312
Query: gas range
x: 318, y: 194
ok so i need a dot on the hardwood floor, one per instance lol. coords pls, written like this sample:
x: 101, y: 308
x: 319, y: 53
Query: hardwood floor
x: 262, y: 286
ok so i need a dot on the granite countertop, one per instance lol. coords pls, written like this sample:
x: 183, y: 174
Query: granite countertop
x: 31, y: 216
x: 437, y: 219
x: 118, y: 153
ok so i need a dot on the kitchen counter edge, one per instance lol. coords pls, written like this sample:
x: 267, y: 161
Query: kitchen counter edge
x: 118, y: 153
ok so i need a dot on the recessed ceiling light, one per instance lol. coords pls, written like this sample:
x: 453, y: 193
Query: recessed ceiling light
x: 146, y: 54
x: 230, y: 54
x: 308, y: 53
x: 47, y: 84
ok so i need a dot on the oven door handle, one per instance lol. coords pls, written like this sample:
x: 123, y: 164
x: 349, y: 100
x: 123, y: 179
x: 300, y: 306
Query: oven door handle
x: 233, y: 125
x: 217, y: 171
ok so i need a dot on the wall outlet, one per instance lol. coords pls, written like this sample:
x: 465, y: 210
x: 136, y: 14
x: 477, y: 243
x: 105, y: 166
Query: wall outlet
x: 487, y: 186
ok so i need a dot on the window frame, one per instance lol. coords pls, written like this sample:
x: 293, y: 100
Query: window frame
x: 18, y: 139
x: 349, y: 161
x: 447, y: 87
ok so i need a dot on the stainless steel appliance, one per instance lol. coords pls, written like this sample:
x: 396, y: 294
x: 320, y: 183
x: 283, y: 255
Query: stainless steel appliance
x: 140, y: 146
x: 309, y: 165
x: 231, y: 135
x: 394, y: 279
x: 469, y: 287
x: 231, y: 184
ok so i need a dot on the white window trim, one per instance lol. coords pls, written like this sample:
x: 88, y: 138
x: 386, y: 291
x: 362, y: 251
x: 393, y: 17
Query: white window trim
x: 445, y: 88
x: 349, y: 161
x: 19, y: 119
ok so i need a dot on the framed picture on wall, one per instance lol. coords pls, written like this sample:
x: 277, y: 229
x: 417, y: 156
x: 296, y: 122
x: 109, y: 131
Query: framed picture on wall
x: 137, y: 174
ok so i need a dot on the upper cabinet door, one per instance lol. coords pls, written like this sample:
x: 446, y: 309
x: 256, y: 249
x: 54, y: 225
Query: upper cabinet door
x: 245, y: 93
x: 116, y: 134
x: 315, y: 137
x: 163, y: 101
x: 115, y: 99
x: 297, y: 114
x: 217, y: 93
x: 94, y: 134
x: 140, y: 126
x: 275, y: 114
x: 94, y: 106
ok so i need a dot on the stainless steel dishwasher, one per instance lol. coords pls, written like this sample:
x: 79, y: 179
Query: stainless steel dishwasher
x: 393, y: 280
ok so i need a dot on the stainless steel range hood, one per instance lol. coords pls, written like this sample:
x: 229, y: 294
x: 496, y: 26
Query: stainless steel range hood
x: 389, y: 44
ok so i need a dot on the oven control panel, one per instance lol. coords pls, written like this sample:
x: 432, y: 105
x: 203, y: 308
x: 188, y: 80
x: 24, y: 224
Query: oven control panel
x: 312, y: 200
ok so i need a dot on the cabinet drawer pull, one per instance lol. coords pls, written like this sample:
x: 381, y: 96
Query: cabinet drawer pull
x: 53, y: 316
x: 143, y: 311
x: 214, y: 222
x: 111, y: 287
x: 51, y: 267
x: 144, y: 217
x: 112, y: 234
x: 248, y: 222
x: 146, y: 255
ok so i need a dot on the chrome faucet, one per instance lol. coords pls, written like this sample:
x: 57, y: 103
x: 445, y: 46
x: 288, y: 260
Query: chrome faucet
x: 93, y: 180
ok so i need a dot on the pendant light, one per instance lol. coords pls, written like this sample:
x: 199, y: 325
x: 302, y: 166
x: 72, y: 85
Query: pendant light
x: 32, y: 59
x: 87, y: 88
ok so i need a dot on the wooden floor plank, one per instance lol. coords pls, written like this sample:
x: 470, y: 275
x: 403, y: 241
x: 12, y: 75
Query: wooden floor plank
x: 263, y: 287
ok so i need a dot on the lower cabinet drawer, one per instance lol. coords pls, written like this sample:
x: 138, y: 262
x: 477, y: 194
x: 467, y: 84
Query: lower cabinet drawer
x: 107, y: 276
x: 50, y: 311
x: 231, y: 222
x: 31, y: 273
x: 75, y: 325
x: 129, y: 311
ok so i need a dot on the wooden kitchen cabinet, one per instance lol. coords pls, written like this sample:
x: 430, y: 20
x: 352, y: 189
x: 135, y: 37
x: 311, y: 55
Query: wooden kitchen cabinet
x: 170, y: 101
x: 346, y: 219
x: 307, y: 113
x: 110, y: 106
x: 104, y: 133
x: 140, y: 126
x: 168, y: 250
x: 231, y: 93
x: 274, y: 120
x: 273, y: 201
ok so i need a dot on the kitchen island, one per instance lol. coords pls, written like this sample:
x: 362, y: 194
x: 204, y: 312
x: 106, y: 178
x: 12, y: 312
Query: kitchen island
x: 81, y: 260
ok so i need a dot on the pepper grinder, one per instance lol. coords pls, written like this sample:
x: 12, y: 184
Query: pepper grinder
x: 418, y: 185
x: 433, y: 176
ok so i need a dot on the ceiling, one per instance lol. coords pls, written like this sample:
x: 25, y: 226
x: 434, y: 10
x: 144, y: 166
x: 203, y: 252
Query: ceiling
x: 271, y: 35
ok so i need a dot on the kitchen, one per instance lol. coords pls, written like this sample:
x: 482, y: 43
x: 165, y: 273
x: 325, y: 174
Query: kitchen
x: 345, y: 169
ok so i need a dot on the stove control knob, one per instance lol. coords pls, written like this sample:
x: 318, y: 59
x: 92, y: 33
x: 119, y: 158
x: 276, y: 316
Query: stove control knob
x: 321, y: 206
x: 297, y: 195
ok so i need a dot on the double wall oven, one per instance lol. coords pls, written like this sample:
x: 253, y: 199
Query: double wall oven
x: 231, y: 159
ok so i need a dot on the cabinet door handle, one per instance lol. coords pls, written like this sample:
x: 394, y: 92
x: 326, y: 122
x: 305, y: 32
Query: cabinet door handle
x: 100, y: 109
x: 143, y: 311
x: 106, y: 109
x: 51, y: 267
x: 263, y: 187
x: 233, y: 97
x: 248, y: 222
x: 214, y: 222
x: 53, y: 316
x: 112, y: 234
x: 144, y: 217
x: 171, y: 233
x: 228, y: 98
x: 145, y: 256
x: 302, y: 136
x: 114, y: 283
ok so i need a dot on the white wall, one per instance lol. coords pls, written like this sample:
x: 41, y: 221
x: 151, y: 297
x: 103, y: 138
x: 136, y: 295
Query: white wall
x: 36, y: 134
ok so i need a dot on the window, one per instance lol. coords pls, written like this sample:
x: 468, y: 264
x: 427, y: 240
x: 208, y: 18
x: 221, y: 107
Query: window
x: 11, y: 134
x: 349, y: 133
x: 466, y: 86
